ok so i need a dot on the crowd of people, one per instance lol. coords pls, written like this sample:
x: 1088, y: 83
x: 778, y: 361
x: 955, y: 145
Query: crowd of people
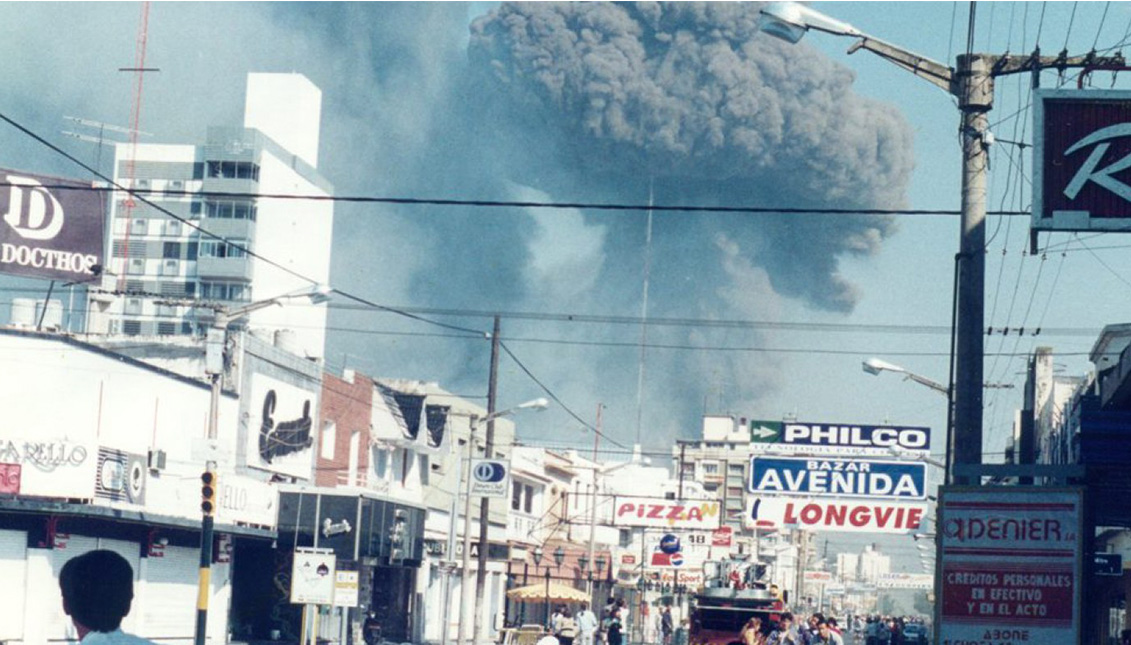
x: 819, y: 629
x: 583, y: 628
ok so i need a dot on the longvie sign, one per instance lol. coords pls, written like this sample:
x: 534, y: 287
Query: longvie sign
x: 1011, y: 561
x: 1082, y: 151
x: 834, y: 514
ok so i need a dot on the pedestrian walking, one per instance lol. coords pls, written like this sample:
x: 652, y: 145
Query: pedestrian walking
x: 98, y: 589
x: 785, y: 634
x: 666, y: 626
x: 613, y: 627
x: 586, y: 625
x: 752, y: 632
x: 567, y: 628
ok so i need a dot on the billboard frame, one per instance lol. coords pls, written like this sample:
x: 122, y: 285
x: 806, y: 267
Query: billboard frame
x: 1066, y: 221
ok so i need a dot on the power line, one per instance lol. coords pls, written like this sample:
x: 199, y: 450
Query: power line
x: 494, y: 203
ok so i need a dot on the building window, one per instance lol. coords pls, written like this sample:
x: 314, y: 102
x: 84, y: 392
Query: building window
x: 380, y: 463
x: 227, y: 249
x: 171, y: 251
x: 710, y: 467
x: 516, y: 496
x: 527, y: 503
x: 225, y: 291
x: 166, y: 329
x: 424, y: 470
x: 191, y: 250
x: 329, y: 434
x: 231, y: 209
x: 233, y: 170
x: 131, y: 327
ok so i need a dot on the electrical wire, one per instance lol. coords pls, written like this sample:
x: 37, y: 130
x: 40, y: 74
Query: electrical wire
x: 1099, y: 30
x: 483, y: 203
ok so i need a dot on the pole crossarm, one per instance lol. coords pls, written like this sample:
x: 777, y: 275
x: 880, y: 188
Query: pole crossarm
x: 1006, y: 64
x: 937, y: 73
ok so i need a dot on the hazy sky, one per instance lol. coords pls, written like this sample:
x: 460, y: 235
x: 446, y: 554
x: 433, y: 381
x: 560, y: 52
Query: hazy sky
x: 596, y: 103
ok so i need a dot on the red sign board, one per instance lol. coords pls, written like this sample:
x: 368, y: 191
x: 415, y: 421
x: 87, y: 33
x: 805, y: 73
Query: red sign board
x: 1081, y: 148
x: 1010, y: 565
x: 721, y: 536
x: 628, y: 558
x: 10, y: 479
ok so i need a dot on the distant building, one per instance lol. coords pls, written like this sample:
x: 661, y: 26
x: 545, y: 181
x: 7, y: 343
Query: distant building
x: 160, y: 268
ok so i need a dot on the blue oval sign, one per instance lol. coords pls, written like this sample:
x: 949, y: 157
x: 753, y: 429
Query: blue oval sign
x: 670, y: 543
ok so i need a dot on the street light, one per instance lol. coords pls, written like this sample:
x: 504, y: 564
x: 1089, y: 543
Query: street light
x: 215, y: 343
x: 875, y: 366
x: 972, y: 84
x: 465, y: 583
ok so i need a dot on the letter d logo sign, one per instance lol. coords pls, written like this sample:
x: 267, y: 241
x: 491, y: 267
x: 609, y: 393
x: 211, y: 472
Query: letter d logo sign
x: 33, y: 212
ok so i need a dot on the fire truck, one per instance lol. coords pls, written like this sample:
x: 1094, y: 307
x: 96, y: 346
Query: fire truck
x: 720, y: 609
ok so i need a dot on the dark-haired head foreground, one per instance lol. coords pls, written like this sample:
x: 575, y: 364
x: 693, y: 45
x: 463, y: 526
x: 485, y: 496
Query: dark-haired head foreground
x: 98, y: 589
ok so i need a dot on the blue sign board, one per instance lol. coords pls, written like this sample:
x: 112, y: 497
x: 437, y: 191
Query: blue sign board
x: 670, y: 543
x: 820, y: 477
x: 843, y: 438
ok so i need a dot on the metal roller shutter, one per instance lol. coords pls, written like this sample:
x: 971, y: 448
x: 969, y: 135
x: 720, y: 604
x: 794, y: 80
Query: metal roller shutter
x: 13, y: 571
x: 169, y: 610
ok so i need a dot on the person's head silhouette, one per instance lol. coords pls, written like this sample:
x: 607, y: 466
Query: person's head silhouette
x: 98, y: 588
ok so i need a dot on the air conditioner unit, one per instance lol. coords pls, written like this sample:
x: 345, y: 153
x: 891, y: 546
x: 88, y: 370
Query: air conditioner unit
x: 157, y: 460
x: 172, y: 227
x: 141, y: 183
x: 139, y: 227
x: 136, y: 266
x: 176, y: 184
x: 170, y: 267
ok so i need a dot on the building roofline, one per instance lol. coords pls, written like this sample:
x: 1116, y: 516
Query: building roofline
x: 107, y: 353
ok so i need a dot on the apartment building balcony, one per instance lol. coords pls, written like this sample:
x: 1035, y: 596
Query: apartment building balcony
x: 225, y: 268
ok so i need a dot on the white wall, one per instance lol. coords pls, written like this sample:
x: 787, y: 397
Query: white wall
x: 296, y: 234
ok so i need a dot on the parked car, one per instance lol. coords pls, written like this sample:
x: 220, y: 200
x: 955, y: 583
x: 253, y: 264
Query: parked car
x: 915, y: 634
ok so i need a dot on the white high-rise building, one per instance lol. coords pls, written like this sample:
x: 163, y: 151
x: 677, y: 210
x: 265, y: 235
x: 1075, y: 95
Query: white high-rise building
x: 165, y: 272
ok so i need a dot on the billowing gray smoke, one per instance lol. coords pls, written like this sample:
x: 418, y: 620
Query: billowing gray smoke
x: 694, y: 97
x: 578, y: 102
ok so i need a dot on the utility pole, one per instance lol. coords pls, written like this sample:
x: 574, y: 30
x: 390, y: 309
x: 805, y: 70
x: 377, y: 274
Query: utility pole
x: 484, y: 505
x: 593, y: 504
x: 972, y: 84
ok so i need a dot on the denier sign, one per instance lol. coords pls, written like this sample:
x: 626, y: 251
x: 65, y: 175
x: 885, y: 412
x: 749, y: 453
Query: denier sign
x: 1081, y: 150
x: 1011, y: 565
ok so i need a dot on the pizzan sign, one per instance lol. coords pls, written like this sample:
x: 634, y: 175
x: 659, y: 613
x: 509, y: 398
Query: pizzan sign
x: 49, y: 228
x: 666, y: 513
x: 1082, y: 148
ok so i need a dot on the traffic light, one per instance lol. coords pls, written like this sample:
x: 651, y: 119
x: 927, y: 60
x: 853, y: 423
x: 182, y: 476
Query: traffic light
x: 208, y: 490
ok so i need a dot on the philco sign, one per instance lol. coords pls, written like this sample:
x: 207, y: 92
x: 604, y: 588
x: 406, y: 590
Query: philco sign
x: 1082, y: 147
x: 51, y: 228
x: 665, y: 513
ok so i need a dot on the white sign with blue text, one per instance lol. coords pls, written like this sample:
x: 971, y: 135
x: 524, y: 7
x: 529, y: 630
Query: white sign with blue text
x: 838, y: 477
x: 490, y: 478
x: 802, y: 437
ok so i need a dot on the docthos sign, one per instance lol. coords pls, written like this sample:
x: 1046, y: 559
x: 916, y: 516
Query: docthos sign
x: 51, y: 228
x: 489, y: 478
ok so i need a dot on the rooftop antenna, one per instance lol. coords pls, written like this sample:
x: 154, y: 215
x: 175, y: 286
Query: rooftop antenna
x: 139, y: 69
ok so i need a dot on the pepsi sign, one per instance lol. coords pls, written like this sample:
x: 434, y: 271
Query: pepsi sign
x: 489, y: 478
